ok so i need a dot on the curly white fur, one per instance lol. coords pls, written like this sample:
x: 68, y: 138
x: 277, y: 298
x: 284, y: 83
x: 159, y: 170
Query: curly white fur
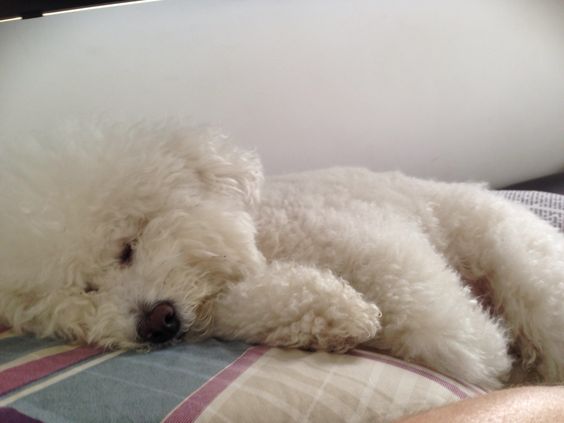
x: 327, y: 259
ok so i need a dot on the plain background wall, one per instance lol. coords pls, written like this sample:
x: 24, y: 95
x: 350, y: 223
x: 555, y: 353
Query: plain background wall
x: 452, y: 89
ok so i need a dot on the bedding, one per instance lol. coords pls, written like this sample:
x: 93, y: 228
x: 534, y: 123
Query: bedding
x: 208, y: 382
x: 48, y: 381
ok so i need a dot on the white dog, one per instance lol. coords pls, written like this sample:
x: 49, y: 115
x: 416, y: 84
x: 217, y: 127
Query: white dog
x: 129, y: 237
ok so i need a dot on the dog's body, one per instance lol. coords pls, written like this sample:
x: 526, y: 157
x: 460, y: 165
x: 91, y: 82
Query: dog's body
x: 129, y: 237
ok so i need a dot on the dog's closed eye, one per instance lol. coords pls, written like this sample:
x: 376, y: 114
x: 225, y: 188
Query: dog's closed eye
x: 125, y: 257
x: 89, y: 288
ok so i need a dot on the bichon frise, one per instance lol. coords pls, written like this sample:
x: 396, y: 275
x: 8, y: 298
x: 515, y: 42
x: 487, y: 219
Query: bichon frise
x: 130, y: 237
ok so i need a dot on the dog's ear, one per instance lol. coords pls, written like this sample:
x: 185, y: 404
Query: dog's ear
x: 207, y: 155
x: 229, y: 170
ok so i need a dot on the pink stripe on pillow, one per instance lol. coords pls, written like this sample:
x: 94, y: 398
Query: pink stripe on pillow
x: 16, y: 377
x: 189, y: 410
x: 414, y: 369
x: 14, y: 416
x: 376, y: 355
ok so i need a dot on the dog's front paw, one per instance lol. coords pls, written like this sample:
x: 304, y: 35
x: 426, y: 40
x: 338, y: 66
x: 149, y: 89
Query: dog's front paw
x: 336, y: 343
x: 333, y: 330
x: 296, y: 306
x: 342, y: 332
x: 335, y: 318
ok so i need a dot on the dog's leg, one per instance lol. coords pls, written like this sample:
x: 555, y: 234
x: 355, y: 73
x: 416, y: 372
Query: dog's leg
x: 291, y: 305
x: 428, y: 316
x: 523, y: 258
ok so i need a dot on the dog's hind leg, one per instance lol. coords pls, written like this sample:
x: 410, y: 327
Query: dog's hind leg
x: 523, y: 259
x: 428, y: 315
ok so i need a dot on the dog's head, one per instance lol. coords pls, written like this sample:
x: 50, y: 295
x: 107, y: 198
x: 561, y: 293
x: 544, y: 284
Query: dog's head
x: 122, y: 236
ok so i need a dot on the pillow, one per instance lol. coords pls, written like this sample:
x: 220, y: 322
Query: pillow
x: 43, y: 380
x: 290, y: 385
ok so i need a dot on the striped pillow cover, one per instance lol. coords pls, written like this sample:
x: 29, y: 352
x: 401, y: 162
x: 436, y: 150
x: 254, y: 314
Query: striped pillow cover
x: 44, y: 381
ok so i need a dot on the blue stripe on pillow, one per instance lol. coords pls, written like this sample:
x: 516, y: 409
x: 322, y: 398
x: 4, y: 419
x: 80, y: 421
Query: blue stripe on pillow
x: 132, y: 387
x: 17, y: 346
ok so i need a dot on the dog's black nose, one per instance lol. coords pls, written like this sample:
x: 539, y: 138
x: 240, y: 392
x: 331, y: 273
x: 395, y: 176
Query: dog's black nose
x: 159, y: 325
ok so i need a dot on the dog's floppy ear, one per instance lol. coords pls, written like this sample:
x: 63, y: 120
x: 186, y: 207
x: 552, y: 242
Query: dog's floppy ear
x: 229, y: 170
x: 205, y: 152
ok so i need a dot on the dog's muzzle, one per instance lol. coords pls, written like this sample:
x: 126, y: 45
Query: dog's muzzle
x: 160, y: 324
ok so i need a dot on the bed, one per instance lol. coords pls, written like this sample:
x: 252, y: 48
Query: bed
x: 48, y: 381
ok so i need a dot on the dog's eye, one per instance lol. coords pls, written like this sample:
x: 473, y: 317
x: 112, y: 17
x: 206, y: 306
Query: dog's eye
x: 126, y: 255
x: 90, y: 288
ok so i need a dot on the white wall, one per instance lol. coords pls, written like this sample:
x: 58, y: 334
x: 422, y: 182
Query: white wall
x: 453, y: 89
